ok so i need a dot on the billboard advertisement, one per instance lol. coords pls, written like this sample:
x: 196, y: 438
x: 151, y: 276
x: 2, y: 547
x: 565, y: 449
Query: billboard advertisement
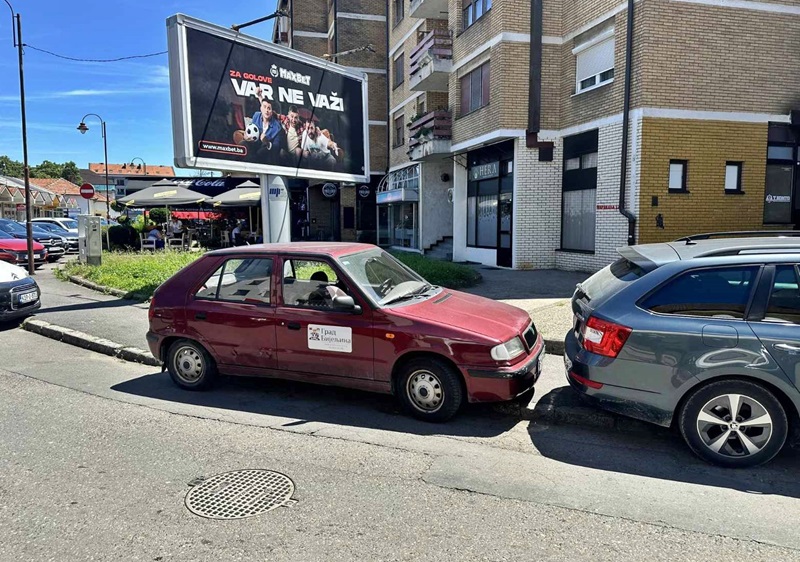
x: 243, y: 104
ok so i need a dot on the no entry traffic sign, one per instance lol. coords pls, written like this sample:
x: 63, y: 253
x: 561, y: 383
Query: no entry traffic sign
x: 87, y: 191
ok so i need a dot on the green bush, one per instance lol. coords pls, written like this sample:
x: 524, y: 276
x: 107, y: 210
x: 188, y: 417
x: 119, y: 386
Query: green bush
x: 158, y: 215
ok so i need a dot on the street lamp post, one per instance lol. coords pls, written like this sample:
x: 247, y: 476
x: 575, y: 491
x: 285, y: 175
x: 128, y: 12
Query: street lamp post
x: 26, y: 168
x: 83, y: 128
x: 143, y: 163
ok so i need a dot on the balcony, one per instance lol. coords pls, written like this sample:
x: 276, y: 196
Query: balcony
x: 430, y: 136
x: 431, y: 61
x: 428, y: 9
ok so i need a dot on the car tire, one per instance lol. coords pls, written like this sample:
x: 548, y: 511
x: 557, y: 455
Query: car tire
x: 190, y: 366
x: 430, y: 389
x: 745, y: 444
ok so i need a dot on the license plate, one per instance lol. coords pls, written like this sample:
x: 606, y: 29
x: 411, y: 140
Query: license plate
x: 25, y: 298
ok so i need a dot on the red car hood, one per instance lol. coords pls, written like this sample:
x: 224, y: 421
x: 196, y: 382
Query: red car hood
x: 18, y: 244
x: 475, y: 314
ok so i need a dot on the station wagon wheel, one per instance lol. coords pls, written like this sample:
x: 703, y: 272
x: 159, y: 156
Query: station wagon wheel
x: 734, y: 424
x: 430, y: 389
x: 190, y: 365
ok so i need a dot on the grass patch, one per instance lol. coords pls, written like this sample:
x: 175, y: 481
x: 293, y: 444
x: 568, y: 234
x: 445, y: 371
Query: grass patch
x: 138, y: 274
x: 444, y: 273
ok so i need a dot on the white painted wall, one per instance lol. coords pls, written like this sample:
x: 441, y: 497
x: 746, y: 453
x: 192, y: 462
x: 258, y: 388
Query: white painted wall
x: 459, y: 175
x: 436, y: 212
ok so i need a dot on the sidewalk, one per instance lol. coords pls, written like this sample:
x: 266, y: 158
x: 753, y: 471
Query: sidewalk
x: 545, y: 294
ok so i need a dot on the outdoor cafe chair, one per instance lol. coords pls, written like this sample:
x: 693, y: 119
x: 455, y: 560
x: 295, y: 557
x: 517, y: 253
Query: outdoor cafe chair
x: 147, y: 243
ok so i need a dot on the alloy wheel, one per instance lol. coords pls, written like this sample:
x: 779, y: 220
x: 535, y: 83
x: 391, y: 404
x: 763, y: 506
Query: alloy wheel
x: 734, y: 425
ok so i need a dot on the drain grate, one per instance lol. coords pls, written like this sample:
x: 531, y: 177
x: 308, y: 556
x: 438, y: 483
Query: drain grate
x: 239, y: 494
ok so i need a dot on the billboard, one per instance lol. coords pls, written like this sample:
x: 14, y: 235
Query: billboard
x: 243, y: 104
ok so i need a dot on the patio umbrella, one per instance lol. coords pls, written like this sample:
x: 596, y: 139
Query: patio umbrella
x: 163, y: 193
x: 247, y: 194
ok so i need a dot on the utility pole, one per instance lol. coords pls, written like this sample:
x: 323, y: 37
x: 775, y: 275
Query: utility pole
x: 26, y: 168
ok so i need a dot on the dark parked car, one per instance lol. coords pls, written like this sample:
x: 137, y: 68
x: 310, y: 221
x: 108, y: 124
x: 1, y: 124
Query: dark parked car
x: 69, y: 239
x: 53, y: 244
x: 19, y: 293
x: 703, y: 332
x: 341, y: 314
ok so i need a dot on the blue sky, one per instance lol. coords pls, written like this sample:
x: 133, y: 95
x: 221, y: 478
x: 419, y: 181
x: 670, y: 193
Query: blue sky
x: 131, y: 96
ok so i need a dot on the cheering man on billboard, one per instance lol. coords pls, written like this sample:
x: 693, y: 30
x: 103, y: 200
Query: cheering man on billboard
x: 270, y: 130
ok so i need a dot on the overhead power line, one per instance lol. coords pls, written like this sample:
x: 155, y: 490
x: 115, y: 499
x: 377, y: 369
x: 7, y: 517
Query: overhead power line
x: 95, y: 60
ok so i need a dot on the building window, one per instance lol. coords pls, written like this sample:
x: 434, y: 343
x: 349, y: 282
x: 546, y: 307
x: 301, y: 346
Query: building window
x: 473, y: 10
x: 475, y: 89
x: 579, y: 197
x: 733, y: 177
x: 594, y: 59
x: 399, y: 130
x: 677, y: 175
x: 399, y: 70
x: 399, y: 7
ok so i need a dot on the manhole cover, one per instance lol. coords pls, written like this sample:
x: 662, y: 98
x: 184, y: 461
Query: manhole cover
x: 241, y: 493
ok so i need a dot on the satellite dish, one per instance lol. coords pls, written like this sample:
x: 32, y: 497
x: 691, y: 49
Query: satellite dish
x: 450, y: 195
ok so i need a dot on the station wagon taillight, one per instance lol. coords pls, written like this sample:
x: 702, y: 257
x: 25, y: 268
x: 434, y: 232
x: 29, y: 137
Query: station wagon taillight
x: 604, y: 338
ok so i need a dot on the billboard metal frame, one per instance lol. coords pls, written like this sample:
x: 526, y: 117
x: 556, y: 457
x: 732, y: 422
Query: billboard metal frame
x: 183, y: 143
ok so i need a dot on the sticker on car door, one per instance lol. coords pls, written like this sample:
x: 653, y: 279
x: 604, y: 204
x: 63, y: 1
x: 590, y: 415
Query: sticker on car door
x: 330, y: 338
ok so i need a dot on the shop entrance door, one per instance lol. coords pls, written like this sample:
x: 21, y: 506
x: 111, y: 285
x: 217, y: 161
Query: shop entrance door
x: 504, y: 238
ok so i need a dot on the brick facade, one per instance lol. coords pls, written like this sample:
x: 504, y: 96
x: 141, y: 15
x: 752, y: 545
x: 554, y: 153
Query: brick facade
x: 706, y: 146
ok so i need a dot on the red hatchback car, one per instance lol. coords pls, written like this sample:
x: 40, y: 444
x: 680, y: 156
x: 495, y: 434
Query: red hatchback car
x: 341, y: 314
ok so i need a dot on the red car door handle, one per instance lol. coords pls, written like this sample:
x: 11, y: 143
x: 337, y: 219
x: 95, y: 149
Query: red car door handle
x: 200, y: 316
x: 293, y: 325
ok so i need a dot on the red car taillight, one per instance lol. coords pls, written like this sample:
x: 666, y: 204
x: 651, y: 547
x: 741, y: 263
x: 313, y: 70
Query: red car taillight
x: 604, y: 338
x: 151, y: 312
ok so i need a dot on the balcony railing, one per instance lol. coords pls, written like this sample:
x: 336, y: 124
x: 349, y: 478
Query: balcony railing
x: 430, y: 136
x: 430, y: 62
x: 428, y: 9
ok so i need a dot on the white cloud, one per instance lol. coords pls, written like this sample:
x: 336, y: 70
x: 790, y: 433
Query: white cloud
x: 86, y: 93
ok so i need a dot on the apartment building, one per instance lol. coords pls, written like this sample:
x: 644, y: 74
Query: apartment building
x: 351, y: 33
x: 514, y: 111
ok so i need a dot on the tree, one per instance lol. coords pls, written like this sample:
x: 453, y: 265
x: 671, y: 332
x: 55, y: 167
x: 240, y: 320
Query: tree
x: 71, y: 173
x: 47, y: 169
x: 10, y: 168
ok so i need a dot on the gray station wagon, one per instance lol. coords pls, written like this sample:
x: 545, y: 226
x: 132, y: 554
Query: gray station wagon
x: 702, y: 333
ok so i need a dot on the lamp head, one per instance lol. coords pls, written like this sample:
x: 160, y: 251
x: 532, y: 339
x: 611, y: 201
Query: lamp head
x: 83, y: 128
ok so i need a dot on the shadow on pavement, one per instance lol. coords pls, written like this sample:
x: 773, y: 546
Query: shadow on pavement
x: 313, y: 403
x: 10, y: 324
x: 504, y: 284
x: 653, y: 452
x: 88, y: 305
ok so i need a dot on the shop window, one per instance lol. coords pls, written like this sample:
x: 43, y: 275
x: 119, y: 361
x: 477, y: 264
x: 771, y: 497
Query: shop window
x: 733, y: 177
x: 677, y: 175
x: 399, y: 131
x: 709, y: 292
x: 473, y: 10
x: 579, y: 197
x: 399, y: 10
x: 594, y: 58
x: 489, y: 198
x: 399, y: 70
x: 475, y: 89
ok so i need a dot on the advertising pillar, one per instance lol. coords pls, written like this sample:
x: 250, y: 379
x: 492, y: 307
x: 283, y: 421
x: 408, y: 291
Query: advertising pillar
x: 276, y: 218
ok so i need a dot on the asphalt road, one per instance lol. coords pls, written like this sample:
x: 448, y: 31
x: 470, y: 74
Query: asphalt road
x: 96, y: 455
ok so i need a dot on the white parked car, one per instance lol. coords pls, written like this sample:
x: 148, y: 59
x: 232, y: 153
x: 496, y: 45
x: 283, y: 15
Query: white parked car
x: 70, y: 225
x: 19, y: 293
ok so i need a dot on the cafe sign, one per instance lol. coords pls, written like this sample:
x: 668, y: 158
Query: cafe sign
x: 484, y: 171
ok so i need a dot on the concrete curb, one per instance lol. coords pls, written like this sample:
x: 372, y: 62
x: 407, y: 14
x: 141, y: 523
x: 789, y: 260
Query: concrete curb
x: 99, y: 288
x: 92, y: 343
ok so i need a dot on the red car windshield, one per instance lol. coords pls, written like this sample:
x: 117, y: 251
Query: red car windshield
x: 384, y: 279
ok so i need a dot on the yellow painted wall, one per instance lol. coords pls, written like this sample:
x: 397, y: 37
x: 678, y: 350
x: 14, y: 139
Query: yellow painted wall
x: 707, y: 145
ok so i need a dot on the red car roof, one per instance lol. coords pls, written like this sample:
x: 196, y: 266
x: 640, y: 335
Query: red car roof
x: 331, y: 249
